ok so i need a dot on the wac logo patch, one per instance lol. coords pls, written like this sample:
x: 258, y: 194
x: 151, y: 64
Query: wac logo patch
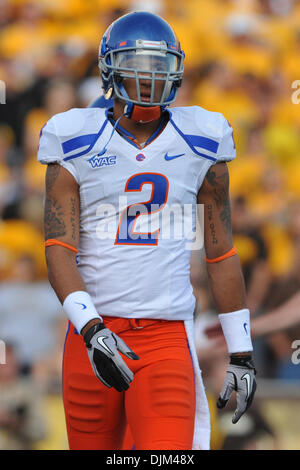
x: 97, y: 161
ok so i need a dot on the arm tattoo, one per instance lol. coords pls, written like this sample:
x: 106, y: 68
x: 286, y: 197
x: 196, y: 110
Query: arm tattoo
x: 73, y: 213
x: 51, y: 175
x: 225, y: 216
x: 220, y: 185
x: 54, y: 225
x: 221, y: 197
x: 212, y: 225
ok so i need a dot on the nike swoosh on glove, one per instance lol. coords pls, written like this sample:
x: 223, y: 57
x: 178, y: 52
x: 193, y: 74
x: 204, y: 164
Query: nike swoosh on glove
x: 240, y: 376
x: 103, y: 346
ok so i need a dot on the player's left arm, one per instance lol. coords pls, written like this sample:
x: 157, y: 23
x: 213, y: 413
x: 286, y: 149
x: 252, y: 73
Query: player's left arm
x: 226, y: 278
x: 228, y: 288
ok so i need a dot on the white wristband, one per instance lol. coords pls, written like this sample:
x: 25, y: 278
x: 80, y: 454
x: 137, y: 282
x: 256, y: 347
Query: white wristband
x: 80, y: 309
x: 236, y: 330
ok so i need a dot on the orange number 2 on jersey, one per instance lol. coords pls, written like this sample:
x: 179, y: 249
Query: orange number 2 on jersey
x: 159, y: 195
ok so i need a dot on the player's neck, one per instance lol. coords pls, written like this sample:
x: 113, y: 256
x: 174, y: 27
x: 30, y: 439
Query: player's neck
x: 141, y: 131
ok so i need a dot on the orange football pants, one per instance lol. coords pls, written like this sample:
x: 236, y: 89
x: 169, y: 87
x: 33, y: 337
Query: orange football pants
x: 159, y: 405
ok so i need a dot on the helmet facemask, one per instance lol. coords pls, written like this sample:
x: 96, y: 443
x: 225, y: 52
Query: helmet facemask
x: 152, y: 65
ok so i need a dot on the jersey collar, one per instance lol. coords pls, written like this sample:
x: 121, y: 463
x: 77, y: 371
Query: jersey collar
x: 130, y: 137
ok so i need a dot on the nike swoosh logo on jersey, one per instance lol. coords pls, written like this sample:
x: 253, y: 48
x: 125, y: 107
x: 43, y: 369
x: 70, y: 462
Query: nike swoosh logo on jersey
x: 245, y: 324
x: 100, y: 340
x: 83, y: 305
x: 248, y: 381
x: 167, y: 157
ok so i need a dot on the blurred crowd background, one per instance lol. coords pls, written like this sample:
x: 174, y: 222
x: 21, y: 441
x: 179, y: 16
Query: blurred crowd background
x: 242, y: 57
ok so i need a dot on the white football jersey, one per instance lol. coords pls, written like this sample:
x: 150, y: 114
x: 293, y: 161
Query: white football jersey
x: 132, y: 256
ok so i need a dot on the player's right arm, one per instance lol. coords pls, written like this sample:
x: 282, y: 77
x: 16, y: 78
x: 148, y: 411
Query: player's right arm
x: 61, y: 223
x: 61, y: 229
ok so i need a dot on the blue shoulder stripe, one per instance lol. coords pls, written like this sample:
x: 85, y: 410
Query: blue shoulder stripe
x: 203, y: 142
x: 82, y: 141
x: 78, y: 142
x: 198, y: 141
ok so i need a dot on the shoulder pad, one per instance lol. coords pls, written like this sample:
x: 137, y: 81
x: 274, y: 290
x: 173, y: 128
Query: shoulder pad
x: 207, y: 133
x: 73, y: 125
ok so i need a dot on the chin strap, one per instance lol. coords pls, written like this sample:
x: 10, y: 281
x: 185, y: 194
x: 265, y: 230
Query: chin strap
x: 103, y: 151
x: 141, y: 114
x: 144, y: 114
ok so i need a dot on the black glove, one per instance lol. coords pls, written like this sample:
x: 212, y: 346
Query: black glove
x: 240, y: 377
x: 108, y: 365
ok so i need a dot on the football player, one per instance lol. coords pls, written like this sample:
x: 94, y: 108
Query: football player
x: 129, y: 355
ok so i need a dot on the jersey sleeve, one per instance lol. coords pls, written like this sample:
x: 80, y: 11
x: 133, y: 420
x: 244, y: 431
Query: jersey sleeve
x: 50, y: 149
x: 226, y: 150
